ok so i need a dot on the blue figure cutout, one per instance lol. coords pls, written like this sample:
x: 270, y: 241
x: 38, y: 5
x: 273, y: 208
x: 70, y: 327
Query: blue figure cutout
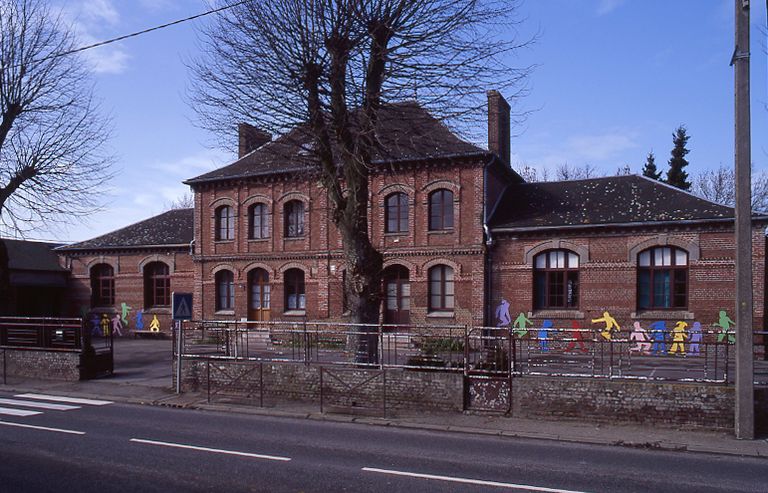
x: 140, y: 320
x: 502, y: 314
x: 659, y: 338
x: 544, y: 335
x: 95, y: 327
x: 694, y: 339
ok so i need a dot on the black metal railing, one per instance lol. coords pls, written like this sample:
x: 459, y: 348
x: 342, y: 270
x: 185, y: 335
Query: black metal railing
x: 41, y: 332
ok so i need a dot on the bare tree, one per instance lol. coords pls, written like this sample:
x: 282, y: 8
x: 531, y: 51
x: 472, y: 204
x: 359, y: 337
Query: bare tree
x: 186, y: 201
x: 566, y: 171
x: 51, y: 136
x: 719, y: 185
x: 332, y: 65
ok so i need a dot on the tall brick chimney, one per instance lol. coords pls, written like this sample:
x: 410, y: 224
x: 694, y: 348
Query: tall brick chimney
x: 498, y: 125
x: 250, y: 138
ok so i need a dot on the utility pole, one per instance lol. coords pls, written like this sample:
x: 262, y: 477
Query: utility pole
x: 745, y: 393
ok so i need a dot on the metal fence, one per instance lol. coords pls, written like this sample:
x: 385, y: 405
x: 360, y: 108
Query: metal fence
x: 664, y: 355
x: 41, y: 332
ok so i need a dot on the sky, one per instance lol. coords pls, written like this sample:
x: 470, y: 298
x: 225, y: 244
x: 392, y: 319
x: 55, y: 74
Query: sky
x: 613, y: 79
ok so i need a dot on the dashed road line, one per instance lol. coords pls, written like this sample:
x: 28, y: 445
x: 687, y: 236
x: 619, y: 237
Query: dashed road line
x: 206, y: 449
x: 41, y: 428
x: 478, y: 482
x: 7, y: 411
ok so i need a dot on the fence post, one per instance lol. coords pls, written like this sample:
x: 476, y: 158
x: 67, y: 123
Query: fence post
x: 321, y: 390
x: 380, y: 350
x: 466, y: 350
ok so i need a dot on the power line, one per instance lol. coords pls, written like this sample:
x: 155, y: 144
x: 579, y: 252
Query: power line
x: 144, y: 31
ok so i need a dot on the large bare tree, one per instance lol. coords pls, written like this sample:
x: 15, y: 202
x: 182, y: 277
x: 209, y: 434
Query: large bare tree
x: 332, y: 65
x: 52, y: 165
x: 719, y: 185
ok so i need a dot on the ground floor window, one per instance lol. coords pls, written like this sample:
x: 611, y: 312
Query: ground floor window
x: 295, y: 297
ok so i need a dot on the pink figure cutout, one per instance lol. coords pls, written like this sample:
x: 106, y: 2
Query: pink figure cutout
x: 117, y: 324
x: 640, y: 337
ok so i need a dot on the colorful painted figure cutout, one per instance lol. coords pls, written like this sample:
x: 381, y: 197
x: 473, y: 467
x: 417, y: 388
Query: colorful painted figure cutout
x: 117, y: 325
x: 679, y: 335
x: 725, y: 324
x: 125, y: 310
x: 577, y: 337
x: 520, y: 324
x: 95, y: 329
x: 640, y: 337
x: 154, y: 325
x: 105, y: 325
x: 659, y: 338
x: 543, y: 335
x: 610, y: 325
x: 694, y: 338
x: 502, y: 314
x: 140, y: 320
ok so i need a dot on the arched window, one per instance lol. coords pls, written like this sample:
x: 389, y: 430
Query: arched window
x: 440, y: 210
x: 396, y: 213
x: 294, y: 219
x: 102, y: 285
x: 258, y: 220
x: 441, y: 288
x: 225, y: 223
x: 157, y: 285
x: 556, y: 280
x: 295, y: 298
x: 662, y: 278
x: 225, y: 290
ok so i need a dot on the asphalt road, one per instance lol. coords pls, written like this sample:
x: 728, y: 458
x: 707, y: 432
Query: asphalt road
x: 120, y: 447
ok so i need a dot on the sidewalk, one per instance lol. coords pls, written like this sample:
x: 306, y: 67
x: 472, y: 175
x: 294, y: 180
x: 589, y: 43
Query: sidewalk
x: 151, y: 393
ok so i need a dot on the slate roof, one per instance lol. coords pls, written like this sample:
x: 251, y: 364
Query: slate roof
x: 405, y: 132
x: 600, y: 201
x: 32, y: 255
x: 171, y: 228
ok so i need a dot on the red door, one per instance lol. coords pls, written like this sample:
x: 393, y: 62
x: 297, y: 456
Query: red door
x: 397, y: 296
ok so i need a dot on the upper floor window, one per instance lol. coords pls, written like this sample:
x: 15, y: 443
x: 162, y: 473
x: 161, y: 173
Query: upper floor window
x: 441, y: 288
x: 662, y: 278
x: 225, y: 290
x: 556, y: 280
x: 396, y: 213
x: 157, y: 285
x: 225, y: 223
x: 295, y: 297
x: 441, y: 210
x: 258, y: 217
x: 102, y: 285
x: 294, y: 219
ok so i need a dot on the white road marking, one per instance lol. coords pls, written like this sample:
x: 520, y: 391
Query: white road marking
x: 58, y: 398
x: 17, y: 412
x: 38, y: 405
x: 42, y: 428
x: 206, y: 449
x: 478, y: 482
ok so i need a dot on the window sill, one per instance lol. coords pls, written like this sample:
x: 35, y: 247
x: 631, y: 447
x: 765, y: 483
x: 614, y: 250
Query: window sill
x: 440, y: 231
x: 258, y: 240
x: 294, y: 238
x: 441, y: 314
x: 563, y: 313
x: 223, y: 242
x: 399, y: 234
x: 224, y: 312
x: 295, y: 313
x: 104, y: 308
x: 662, y: 314
x: 158, y: 309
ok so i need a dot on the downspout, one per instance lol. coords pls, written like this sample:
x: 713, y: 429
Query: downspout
x: 488, y: 246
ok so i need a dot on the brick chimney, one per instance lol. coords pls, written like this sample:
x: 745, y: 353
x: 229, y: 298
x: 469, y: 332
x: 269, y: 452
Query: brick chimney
x: 498, y: 125
x: 250, y: 138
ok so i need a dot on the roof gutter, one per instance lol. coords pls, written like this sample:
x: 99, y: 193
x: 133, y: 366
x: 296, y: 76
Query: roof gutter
x: 621, y: 225
x: 119, y: 247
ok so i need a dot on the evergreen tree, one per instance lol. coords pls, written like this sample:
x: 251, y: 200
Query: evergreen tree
x: 676, y: 175
x: 650, y: 169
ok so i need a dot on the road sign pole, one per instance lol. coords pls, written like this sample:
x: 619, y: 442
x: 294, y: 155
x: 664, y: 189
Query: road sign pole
x: 179, y: 346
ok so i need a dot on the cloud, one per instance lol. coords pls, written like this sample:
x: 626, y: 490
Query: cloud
x: 186, y: 166
x: 604, y: 150
x: 608, y: 6
x: 93, y: 21
x: 600, y: 147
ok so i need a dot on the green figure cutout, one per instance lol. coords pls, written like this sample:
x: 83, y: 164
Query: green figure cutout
x: 124, y: 314
x: 520, y: 322
x: 725, y: 324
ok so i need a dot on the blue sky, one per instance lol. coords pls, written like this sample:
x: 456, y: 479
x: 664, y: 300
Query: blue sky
x: 614, y: 79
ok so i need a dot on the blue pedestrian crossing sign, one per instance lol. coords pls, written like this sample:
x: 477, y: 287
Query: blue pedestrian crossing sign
x: 181, y: 306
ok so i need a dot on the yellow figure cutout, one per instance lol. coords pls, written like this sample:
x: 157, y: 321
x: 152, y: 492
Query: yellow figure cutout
x: 154, y: 325
x: 610, y: 325
x: 679, y: 335
x: 104, y: 325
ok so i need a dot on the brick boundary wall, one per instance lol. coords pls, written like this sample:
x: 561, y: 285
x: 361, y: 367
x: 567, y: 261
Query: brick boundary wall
x: 666, y: 404
x: 41, y: 363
